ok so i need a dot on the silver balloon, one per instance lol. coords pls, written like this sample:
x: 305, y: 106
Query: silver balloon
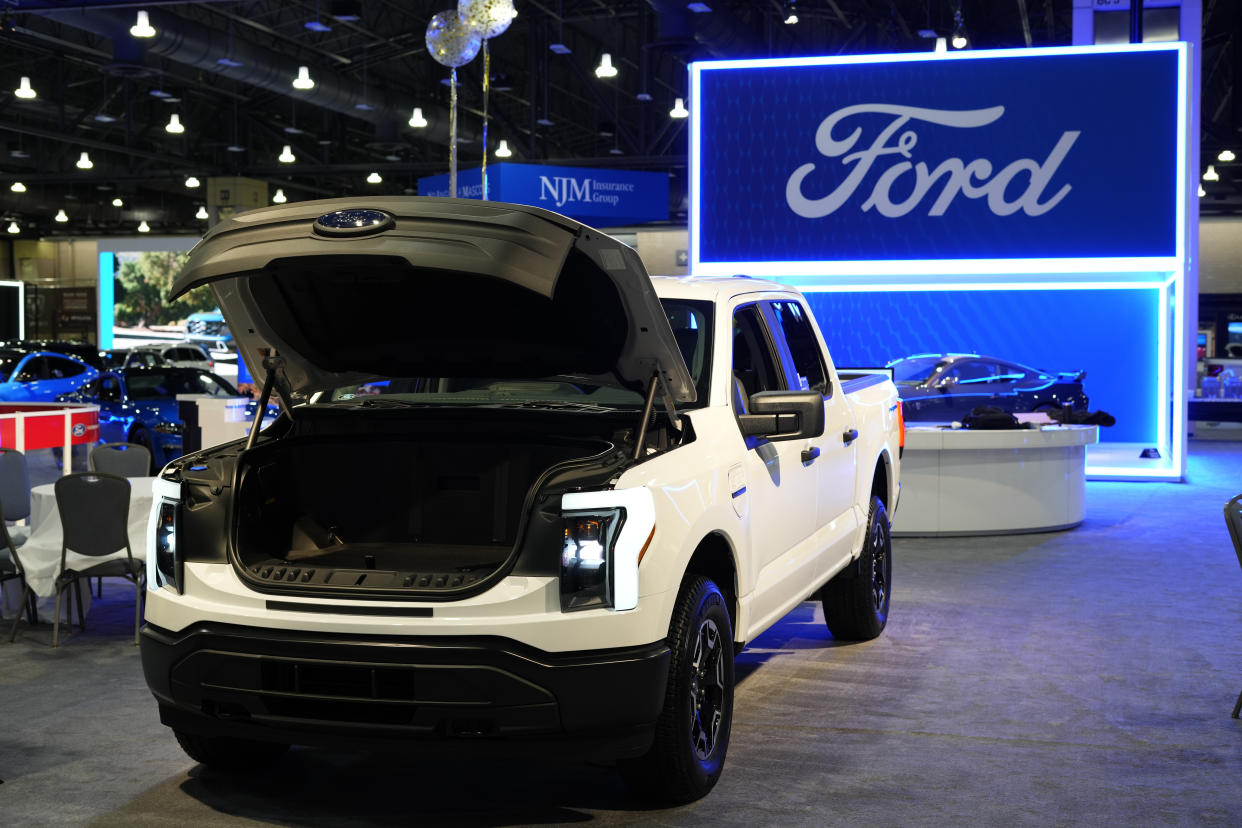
x: 487, y: 17
x: 451, y: 42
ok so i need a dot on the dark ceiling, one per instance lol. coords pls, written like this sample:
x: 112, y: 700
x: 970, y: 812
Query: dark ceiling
x: 103, y: 91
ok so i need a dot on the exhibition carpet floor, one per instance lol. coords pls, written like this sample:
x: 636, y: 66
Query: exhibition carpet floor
x: 1073, y: 678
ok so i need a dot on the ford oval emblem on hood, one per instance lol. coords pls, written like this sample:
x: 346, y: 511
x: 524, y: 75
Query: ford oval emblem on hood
x: 354, y: 223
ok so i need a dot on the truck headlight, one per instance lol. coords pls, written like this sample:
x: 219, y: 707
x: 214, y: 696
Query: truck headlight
x: 604, y: 537
x: 587, y: 559
x: 168, y: 567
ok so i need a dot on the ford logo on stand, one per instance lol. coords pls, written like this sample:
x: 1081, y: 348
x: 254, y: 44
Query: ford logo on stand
x: 354, y: 223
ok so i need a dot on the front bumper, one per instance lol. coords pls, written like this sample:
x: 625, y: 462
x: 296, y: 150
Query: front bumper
x: 369, y: 692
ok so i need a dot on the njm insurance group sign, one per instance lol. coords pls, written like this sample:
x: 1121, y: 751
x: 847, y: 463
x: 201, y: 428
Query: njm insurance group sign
x: 604, y: 198
x: 1054, y: 160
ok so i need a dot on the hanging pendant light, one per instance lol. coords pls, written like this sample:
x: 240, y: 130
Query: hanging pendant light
x: 192, y: 182
x: 13, y: 228
x: 24, y: 90
x: 679, y: 109
x: 202, y: 213
x: 174, y: 124
x: 84, y: 161
x: 279, y: 198
x: 17, y: 187
x: 144, y: 227
x: 605, y: 68
x: 417, y: 120
x: 374, y: 178
x: 303, y: 80
x: 286, y: 156
x: 61, y: 216
x: 117, y: 202
x: 142, y: 27
x: 503, y: 150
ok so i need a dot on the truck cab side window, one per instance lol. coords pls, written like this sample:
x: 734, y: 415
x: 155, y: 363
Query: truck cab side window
x: 754, y: 369
x: 804, y: 348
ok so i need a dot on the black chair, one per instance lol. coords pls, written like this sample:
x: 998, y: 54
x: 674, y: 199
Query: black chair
x: 94, y: 514
x: 1233, y: 520
x: 14, y: 505
x: 125, y: 459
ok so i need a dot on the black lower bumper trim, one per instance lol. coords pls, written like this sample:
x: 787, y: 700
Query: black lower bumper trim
x: 368, y: 692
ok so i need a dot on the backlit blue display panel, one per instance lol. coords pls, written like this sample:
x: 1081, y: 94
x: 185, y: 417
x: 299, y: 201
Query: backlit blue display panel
x: 603, y: 198
x: 1014, y: 155
x: 1111, y: 334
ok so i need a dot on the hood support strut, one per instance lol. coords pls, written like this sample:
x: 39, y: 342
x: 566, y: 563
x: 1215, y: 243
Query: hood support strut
x: 271, y: 363
x: 657, y: 382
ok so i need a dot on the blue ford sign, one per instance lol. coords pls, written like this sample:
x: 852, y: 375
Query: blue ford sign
x: 819, y: 165
x: 594, y: 196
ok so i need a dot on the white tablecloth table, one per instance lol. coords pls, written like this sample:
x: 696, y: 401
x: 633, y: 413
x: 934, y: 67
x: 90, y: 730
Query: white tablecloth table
x: 40, y: 554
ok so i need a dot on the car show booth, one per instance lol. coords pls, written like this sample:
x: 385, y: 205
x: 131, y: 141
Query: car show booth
x: 1031, y: 205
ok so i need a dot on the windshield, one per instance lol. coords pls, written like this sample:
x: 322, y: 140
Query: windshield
x: 914, y: 370
x: 152, y: 385
x: 691, y: 323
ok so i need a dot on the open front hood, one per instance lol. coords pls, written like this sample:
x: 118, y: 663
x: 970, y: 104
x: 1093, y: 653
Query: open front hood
x: 346, y: 290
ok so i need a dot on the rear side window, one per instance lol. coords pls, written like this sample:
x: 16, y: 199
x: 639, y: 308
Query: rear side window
x: 61, y: 368
x: 808, y: 359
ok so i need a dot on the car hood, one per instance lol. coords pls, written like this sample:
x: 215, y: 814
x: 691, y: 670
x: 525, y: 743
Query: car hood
x: 350, y: 290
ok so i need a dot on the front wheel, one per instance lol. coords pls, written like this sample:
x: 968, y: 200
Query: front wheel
x: 692, y: 733
x: 856, y: 601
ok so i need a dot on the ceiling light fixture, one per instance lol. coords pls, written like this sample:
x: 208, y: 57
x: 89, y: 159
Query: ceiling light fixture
x: 374, y: 178
x: 13, y: 228
x: 1226, y: 155
x: 791, y: 13
x: 1202, y: 192
x: 61, y: 216
x: 84, y: 161
x: 699, y: 8
x: 279, y: 198
x: 17, y: 187
x: 143, y: 227
x: 235, y: 148
x: 503, y: 150
x: 559, y: 48
x: 959, y: 30
x: 230, y: 63
x: 24, y: 89
x: 192, y: 182
x: 679, y: 109
x: 416, y: 118
x: 346, y: 11
x: 142, y: 27
x: 286, y: 155
x: 1211, y: 174
x: 303, y: 80
x: 317, y: 26
x: 174, y: 124
x: 117, y: 202
x: 202, y: 213
x: 605, y: 68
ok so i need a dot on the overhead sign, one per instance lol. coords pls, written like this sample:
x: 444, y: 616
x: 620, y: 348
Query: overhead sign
x: 840, y: 165
x: 605, y: 198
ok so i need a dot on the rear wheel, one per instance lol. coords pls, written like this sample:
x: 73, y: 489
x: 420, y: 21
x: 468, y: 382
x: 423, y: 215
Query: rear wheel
x: 141, y: 437
x: 692, y: 733
x: 228, y: 754
x: 856, y: 601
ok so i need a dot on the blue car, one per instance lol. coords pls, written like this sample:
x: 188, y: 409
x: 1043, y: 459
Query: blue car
x: 139, y: 405
x: 40, y: 376
x: 209, y: 329
x: 947, y: 387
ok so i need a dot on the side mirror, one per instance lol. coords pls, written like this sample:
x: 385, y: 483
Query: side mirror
x: 784, y: 415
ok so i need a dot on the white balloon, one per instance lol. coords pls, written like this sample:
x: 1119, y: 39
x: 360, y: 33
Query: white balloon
x: 450, y: 41
x: 487, y: 17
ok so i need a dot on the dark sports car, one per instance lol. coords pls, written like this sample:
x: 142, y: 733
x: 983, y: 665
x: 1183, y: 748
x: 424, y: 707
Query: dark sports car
x: 947, y: 387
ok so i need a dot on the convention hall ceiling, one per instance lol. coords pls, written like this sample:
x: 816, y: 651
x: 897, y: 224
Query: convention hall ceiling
x: 225, y: 69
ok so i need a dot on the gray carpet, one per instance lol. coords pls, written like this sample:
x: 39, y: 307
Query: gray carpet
x: 1074, y: 678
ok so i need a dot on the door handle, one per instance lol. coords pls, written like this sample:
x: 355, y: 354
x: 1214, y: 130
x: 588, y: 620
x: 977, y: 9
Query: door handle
x: 809, y: 454
x: 850, y: 436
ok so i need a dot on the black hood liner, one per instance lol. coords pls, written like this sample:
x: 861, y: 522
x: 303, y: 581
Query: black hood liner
x: 381, y: 315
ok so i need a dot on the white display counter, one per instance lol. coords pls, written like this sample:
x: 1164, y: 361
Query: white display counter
x: 985, y: 482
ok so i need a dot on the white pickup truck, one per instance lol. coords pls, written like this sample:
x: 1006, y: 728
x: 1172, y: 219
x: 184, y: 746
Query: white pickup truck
x: 523, y: 494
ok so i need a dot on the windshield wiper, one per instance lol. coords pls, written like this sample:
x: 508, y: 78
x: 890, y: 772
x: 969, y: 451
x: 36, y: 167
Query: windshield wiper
x: 556, y: 404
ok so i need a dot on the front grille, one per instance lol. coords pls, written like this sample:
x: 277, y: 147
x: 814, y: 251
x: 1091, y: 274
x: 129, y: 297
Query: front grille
x: 358, y: 682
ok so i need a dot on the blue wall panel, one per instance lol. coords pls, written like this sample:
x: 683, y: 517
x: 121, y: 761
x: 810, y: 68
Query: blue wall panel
x: 1111, y: 334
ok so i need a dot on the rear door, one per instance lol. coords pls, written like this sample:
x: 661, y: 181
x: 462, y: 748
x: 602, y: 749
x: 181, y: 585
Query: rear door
x: 834, y: 456
x: 779, y: 492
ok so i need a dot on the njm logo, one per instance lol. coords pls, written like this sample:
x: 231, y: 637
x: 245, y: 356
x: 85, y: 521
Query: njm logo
x: 563, y: 188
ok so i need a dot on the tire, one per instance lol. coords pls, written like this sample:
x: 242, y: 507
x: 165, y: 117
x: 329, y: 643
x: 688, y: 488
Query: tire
x: 227, y: 754
x: 140, y: 437
x: 692, y: 733
x: 856, y: 601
